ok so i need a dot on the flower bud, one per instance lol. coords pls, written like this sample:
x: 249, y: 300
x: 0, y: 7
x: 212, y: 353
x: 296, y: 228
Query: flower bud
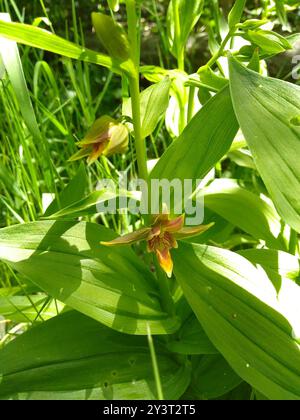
x: 114, y: 5
x: 112, y: 36
x: 106, y: 137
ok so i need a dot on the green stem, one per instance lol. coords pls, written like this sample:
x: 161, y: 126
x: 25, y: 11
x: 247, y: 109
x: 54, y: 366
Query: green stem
x: 179, y: 49
x: 159, y: 389
x: 132, y: 20
x: 134, y: 84
x: 140, y: 144
x: 180, y: 59
x: 219, y: 53
x: 191, y: 106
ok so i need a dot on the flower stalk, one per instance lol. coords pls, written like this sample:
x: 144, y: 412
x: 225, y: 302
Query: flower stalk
x: 134, y: 85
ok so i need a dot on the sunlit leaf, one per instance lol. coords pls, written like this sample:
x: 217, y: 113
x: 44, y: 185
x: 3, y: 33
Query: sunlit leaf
x: 74, y: 357
x: 265, y: 108
x: 66, y: 260
x: 244, y: 317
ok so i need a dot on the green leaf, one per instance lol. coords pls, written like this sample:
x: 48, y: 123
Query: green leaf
x: 73, y: 357
x: 260, y: 219
x: 28, y: 308
x: 2, y: 68
x: 211, y: 79
x: 202, y: 144
x: 236, y: 13
x: 244, y: 317
x: 188, y: 15
x: 13, y: 65
x: 73, y: 192
x: 191, y: 339
x: 92, y: 203
x: 66, y: 260
x: 265, y: 108
x: 269, y: 42
x: 243, y: 392
x: 112, y: 36
x: 277, y: 264
x: 212, y: 377
x: 40, y: 38
x: 154, y: 103
x: 280, y: 10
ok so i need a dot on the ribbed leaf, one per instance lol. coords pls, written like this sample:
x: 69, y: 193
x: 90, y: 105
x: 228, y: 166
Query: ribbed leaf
x: 246, y: 210
x: 277, y: 264
x: 91, y: 204
x: 12, y: 62
x: 213, y: 377
x: 73, y: 192
x: 202, y: 144
x: 75, y: 357
x: 188, y: 15
x: 154, y: 103
x: 66, y: 260
x: 244, y: 317
x: 267, y: 110
x: 28, y: 308
x: 191, y: 339
x: 40, y: 38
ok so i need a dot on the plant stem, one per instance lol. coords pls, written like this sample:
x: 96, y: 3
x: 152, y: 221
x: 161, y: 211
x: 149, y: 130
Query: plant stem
x: 132, y: 20
x: 134, y: 84
x: 179, y: 49
x: 140, y: 145
x: 191, y: 106
x: 219, y: 53
x: 159, y: 389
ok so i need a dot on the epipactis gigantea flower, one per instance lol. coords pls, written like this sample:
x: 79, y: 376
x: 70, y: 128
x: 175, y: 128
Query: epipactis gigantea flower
x: 106, y: 137
x: 161, y: 237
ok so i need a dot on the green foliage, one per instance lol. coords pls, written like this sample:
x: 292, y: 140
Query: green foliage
x: 243, y: 316
x: 182, y: 17
x: 65, y: 259
x: 95, y: 363
x: 236, y: 12
x: 199, y: 91
x: 154, y: 103
x: 269, y: 131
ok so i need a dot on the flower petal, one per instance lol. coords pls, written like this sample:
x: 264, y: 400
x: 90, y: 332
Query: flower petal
x: 130, y: 238
x: 97, y: 151
x: 165, y: 261
x: 174, y: 225
x: 188, y: 232
x: 99, y: 131
x: 81, y: 154
x: 119, y: 140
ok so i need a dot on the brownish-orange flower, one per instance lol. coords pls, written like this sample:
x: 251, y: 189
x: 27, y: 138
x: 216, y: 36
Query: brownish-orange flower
x: 161, y: 237
x: 106, y: 137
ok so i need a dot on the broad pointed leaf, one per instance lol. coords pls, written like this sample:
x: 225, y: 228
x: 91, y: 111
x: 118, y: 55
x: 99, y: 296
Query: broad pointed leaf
x: 213, y: 377
x: 202, y: 144
x: 40, y: 38
x: 267, y: 110
x: 246, y: 210
x: 74, y: 357
x: 244, y: 317
x: 66, y: 260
